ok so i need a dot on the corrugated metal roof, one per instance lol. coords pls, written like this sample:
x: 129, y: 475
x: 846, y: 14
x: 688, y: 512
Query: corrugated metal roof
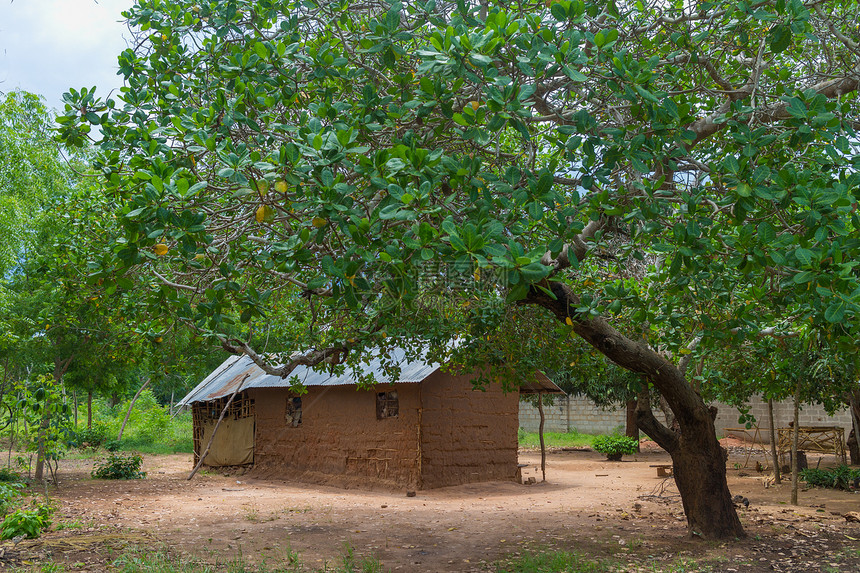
x: 226, y: 378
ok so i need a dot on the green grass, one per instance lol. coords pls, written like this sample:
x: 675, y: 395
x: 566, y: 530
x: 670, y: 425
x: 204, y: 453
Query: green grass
x: 556, y: 439
x: 162, y: 562
x: 553, y: 562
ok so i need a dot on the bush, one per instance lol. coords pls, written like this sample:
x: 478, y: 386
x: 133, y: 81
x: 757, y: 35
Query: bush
x: 840, y: 477
x: 150, y: 428
x: 615, y: 446
x: 29, y: 523
x: 9, y: 492
x: 92, y: 437
x: 7, y: 475
x: 119, y: 466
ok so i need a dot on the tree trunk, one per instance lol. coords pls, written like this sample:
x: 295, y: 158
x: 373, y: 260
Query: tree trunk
x: 794, y: 439
x: 130, y: 407
x: 854, y: 448
x: 540, y: 436
x: 60, y: 367
x: 39, y: 472
x: 777, y: 478
x: 631, y: 429
x: 699, y: 460
x: 89, y: 410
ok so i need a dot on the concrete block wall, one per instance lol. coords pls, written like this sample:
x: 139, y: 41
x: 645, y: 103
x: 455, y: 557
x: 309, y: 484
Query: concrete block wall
x: 568, y: 413
x: 574, y: 412
x: 783, y: 413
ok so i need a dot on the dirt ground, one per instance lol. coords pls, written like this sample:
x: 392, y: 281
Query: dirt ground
x: 616, y: 510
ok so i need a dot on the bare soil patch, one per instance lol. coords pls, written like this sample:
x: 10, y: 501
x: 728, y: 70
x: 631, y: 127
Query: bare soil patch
x: 616, y: 510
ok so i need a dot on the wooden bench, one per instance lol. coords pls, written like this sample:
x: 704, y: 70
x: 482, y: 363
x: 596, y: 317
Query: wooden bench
x: 663, y: 470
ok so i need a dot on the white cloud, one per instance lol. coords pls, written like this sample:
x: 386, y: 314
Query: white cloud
x: 48, y: 46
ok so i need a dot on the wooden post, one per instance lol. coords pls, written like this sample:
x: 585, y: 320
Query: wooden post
x: 794, y: 439
x: 777, y: 478
x: 540, y: 436
x: 215, y: 429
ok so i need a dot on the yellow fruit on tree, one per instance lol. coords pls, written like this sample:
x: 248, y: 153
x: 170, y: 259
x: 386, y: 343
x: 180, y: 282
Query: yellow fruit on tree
x: 281, y: 186
x: 161, y: 249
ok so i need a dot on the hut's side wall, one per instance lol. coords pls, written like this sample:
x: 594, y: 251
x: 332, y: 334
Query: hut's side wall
x: 340, y: 440
x: 466, y: 435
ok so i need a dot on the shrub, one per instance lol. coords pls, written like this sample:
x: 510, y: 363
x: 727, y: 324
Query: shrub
x: 119, y: 466
x: 92, y: 437
x: 840, y: 477
x: 8, y: 475
x: 9, y: 492
x: 27, y: 522
x: 615, y: 446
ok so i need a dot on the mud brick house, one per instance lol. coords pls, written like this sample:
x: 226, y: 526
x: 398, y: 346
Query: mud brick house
x: 427, y: 429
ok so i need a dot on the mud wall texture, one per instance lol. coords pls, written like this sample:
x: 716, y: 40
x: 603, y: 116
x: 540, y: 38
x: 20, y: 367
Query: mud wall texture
x: 340, y: 441
x: 466, y: 435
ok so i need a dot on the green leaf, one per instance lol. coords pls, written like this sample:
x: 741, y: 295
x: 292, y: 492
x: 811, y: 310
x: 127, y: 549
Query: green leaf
x: 796, y: 108
x: 804, y: 256
x: 835, y: 312
x: 766, y: 232
x: 517, y: 292
x: 779, y: 38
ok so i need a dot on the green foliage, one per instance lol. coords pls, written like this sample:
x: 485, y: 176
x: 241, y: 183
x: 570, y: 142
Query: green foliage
x: 45, y: 415
x: 8, y: 475
x: 150, y: 427
x: 304, y: 175
x: 9, y: 494
x: 840, y: 477
x: 553, y: 562
x: 119, y: 466
x: 615, y: 445
x: 92, y: 437
x: 27, y: 522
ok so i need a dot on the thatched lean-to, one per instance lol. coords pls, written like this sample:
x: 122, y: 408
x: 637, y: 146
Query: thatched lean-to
x: 427, y: 429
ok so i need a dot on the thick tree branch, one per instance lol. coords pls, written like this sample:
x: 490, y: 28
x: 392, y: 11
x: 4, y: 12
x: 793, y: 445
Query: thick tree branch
x: 648, y: 423
x: 634, y: 356
x: 334, y: 354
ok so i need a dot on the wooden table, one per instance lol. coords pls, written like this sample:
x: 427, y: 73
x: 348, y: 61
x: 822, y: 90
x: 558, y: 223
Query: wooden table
x: 824, y: 439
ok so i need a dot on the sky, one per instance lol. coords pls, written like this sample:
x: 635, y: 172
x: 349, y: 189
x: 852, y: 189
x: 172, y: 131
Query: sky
x: 49, y: 46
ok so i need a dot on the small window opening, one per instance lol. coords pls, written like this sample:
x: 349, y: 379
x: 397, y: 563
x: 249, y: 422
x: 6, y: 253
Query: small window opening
x: 294, y: 412
x: 387, y: 405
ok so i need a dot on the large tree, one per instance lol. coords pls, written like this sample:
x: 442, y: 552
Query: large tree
x: 690, y: 166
